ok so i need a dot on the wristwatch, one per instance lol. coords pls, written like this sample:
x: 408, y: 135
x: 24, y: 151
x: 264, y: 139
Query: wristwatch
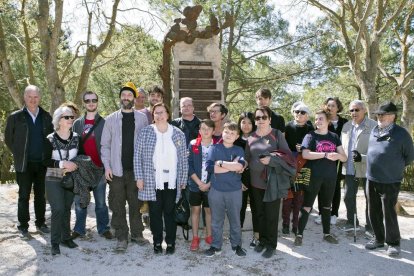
x: 220, y: 163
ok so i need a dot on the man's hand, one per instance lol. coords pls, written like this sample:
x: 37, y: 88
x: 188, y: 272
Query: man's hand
x: 108, y: 174
x: 356, y: 156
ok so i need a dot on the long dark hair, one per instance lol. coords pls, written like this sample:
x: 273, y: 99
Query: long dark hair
x: 248, y: 115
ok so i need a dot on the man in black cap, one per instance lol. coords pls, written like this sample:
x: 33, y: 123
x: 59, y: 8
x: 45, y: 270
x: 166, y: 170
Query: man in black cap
x: 390, y: 150
x: 117, y: 152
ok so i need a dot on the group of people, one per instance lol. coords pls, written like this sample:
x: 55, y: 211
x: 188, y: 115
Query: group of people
x: 147, y: 159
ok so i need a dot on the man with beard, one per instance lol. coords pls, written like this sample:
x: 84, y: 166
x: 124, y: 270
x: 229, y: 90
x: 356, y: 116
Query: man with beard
x: 390, y: 150
x: 155, y: 95
x: 89, y: 127
x: 117, y: 150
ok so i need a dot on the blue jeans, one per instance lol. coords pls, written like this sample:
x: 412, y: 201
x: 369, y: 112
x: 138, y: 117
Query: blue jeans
x: 101, y: 210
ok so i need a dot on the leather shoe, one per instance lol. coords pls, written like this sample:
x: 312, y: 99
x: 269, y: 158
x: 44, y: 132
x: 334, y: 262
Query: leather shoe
x: 69, y: 243
x: 43, y: 228
x: 55, y: 249
x: 75, y: 235
x: 170, y: 250
x: 157, y: 249
x: 107, y: 235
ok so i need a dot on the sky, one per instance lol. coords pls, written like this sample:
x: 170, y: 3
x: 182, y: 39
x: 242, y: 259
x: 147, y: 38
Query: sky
x: 77, y: 21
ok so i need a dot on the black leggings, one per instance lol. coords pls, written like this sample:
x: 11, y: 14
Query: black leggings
x: 325, y: 187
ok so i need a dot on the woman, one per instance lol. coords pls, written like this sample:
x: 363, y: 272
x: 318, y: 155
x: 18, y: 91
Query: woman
x: 161, y: 171
x: 61, y: 147
x: 261, y: 149
x: 334, y: 106
x: 247, y: 126
x: 322, y: 149
x: 294, y: 133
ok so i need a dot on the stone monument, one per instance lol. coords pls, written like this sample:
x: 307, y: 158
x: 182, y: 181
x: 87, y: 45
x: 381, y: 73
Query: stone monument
x: 196, y: 61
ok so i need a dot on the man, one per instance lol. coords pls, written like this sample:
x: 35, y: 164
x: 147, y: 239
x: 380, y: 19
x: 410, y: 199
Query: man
x: 188, y: 122
x: 140, y: 99
x: 218, y: 113
x: 117, y: 150
x: 89, y: 127
x: 155, y: 95
x: 25, y: 132
x: 264, y: 98
x: 354, y: 137
x: 390, y: 150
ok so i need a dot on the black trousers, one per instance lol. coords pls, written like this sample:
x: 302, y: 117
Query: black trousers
x: 248, y: 194
x: 34, y: 175
x: 267, y: 214
x: 163, y: 207
x: 122, y: 190
x: 60, y: 201
x: 382, y: 200
x: 325, y: 187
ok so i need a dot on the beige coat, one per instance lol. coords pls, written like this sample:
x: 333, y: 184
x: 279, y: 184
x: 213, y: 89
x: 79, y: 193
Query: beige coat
x: 361, y: 146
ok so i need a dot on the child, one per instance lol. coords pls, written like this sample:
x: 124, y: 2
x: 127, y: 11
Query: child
x: 225, y: 162
x: 198, y: 181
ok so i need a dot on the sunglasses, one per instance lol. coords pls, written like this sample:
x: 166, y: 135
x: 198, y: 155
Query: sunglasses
x: 68, y: 117
x: 354, y: 110
x: 264, y: 118
x: 90, y: 101
x: 300, y: 111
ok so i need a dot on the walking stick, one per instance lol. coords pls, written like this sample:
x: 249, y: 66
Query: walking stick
x: 355, y: 225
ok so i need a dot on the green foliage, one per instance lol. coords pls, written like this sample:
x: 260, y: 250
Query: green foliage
x: 132, y: 56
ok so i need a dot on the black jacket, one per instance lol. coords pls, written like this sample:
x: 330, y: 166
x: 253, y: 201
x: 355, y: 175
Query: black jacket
x: 78, y: 126
x: 17, y: 135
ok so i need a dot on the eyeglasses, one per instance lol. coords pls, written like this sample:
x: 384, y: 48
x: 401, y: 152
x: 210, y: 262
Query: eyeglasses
x: 214, y: 111
x: 264, y: 118
x: 300, y: 111
x: 354, y: 110
x: 90, y: 101
x: 68, y: 117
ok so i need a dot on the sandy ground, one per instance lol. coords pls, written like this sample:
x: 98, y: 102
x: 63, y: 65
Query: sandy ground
x: 95, y: 255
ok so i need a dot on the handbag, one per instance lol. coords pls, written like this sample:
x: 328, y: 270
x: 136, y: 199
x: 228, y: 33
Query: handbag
x: 67, y: 181
x: 182, y: 213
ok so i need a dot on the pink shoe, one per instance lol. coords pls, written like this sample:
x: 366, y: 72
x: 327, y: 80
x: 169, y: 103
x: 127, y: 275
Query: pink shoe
x: 209, y: 239
x: 195, y: 244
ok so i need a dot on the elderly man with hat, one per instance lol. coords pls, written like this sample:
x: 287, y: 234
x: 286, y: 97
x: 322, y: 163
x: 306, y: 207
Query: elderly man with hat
x: 117, y: 150
x: 390, y: 150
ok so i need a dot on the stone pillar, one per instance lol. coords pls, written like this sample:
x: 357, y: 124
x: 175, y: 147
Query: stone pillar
x: 197, y: 74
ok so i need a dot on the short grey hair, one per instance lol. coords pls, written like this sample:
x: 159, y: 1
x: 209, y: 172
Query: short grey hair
x: 57, y: 115
x: 359, y: 103
x: 32, y: 87
x: 300, y: 106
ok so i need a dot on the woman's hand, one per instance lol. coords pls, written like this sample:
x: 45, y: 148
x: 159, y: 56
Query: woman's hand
x: 140, y: 185
x: 265, y: 160
x: 69, y: 166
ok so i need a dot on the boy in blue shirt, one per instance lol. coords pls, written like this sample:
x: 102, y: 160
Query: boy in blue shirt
x: 225, y: 162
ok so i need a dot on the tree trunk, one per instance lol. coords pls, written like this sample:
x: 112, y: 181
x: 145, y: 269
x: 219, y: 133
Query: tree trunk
x: 7, y: 72
x: 165, y: 71
x: 229, y: 64
x: 84, y: 76
x: 407, y: 117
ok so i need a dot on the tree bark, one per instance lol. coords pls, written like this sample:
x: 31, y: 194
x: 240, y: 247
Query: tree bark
x: 7, y: 72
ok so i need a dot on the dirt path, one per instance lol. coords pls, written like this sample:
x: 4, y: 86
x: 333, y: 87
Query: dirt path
x: 95, y: 256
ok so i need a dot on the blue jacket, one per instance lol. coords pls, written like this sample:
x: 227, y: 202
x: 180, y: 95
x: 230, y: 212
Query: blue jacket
x: 389, y: 154
x: 195, y: 161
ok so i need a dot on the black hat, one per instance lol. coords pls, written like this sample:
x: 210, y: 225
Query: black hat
x: 388, y: 107
x: 130, y: 87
